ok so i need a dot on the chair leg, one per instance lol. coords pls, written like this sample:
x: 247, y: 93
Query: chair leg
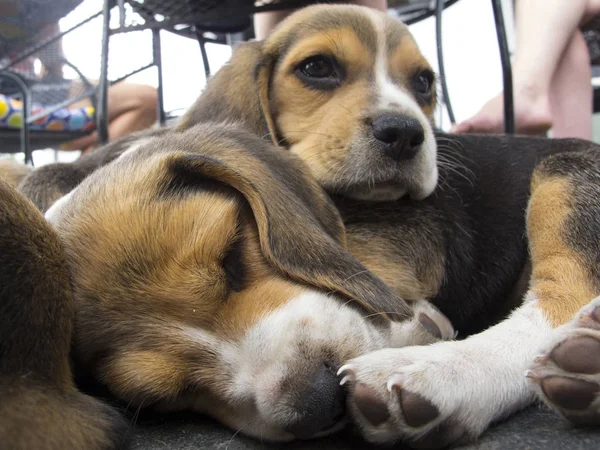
x: 24, y: 91
x: 509, y: 107
x: 102, y: 109
x: 157, y: 60
x: 202, y: 44
x: 439, y: 10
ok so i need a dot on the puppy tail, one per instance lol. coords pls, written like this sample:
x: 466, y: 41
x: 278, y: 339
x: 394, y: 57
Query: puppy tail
x: 40, y: 407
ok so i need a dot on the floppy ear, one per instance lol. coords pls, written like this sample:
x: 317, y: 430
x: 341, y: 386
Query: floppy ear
x: 264, y: 71
x: 233, y: 95
x: 238, y: 93
x: 300, y: 230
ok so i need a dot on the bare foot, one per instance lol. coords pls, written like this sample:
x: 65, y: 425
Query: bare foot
x: 532, y: 117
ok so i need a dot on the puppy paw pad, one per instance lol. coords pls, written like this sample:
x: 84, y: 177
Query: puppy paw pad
x: 417, y: 410
x: 569, y: 393
x: 370, y: 404
x: 578, y: 355
x: 430, y: 325
x: 595, y: 314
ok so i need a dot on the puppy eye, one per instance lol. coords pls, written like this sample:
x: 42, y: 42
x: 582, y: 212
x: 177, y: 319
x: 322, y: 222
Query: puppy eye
x: 317, y: 67
x: 319, y: 72
x: 422, y: 82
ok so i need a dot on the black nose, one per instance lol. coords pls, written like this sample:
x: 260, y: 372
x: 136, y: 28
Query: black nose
x: 401, y: 135
x: 322, y: 405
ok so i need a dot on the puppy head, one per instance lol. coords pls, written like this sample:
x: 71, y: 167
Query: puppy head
x: 347, y: 89
x: 209, y: 274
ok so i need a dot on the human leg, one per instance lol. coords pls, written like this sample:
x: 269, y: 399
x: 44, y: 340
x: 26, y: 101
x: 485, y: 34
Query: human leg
x: 544, y: 31
x: 571, y: 93
x: 131, y: 107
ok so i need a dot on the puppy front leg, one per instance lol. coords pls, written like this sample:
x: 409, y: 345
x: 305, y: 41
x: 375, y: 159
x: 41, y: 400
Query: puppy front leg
x: 433, y: 396
x: 566, y: 241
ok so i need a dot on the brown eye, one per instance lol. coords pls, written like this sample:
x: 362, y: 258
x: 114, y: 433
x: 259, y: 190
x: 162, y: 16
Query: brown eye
x: 318, y: 67
x: 423, y: 82
x: 319, y: 72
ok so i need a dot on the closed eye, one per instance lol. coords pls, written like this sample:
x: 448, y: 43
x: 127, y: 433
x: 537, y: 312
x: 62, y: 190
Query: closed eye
x: 233, y: 265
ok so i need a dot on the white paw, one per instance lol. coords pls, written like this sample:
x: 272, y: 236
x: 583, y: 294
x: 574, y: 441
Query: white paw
x: 567, y: 374
x: 435, y: 395
x: 416, y: 394
x: 428, y: 325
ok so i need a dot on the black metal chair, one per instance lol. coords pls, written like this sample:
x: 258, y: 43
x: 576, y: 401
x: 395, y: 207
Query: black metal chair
x: 208, y: 21
x: 16, y: 48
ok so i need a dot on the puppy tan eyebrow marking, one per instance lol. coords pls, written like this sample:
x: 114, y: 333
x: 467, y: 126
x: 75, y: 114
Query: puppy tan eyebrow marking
x: 323, y: 22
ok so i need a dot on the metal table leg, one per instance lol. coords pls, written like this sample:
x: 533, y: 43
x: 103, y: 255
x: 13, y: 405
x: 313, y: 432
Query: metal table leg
x: 157, y: 59
x: 24, y: 91
x: 509, y: 108
x: 102, y: 110
x: 439, y: 9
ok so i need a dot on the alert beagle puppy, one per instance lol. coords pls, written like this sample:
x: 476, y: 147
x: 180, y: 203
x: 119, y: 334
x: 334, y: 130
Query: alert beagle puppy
x: 343, y: 87
x: 504, y: 245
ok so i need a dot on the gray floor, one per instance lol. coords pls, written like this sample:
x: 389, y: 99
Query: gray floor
x: 533, y: 429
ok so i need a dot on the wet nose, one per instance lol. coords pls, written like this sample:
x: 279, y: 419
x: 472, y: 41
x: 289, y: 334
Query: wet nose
x: 402, y: 136
x: 322, y: 405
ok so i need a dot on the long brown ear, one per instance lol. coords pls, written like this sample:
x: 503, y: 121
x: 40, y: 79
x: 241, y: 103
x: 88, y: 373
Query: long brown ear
x: 300, y: 230
x: 232, y: 94
x: 264, y: 71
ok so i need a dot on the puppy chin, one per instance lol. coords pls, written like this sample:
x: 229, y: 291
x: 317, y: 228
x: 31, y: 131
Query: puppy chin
x: 389, y: 192
x: 379, y: 193
x: 426, y: 187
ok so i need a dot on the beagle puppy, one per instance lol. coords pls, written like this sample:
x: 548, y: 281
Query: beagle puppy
x: 343, y: 87
x: 498, y: 232
x: 40, y: 407
x: 195, y: 290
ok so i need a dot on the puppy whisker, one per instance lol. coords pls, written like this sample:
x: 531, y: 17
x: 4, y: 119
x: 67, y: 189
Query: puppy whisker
x: 233, y: 437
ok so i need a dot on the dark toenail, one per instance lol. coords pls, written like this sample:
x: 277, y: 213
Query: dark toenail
x: 370, y: 405
x: 578, y: 355
x: 596, y: 314
x: 569, y: 393
x: 430, y: 325
x: 417, y: 410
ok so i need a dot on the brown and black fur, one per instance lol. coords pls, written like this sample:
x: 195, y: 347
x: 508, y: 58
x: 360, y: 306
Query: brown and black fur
x: 473, y: 226
x: 37, y: 393
x: 49, y: 183
x: 464, y: 247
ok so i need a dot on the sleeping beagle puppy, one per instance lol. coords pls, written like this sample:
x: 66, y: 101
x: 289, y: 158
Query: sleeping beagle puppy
x: 511, y: 283
x: 195, y: 290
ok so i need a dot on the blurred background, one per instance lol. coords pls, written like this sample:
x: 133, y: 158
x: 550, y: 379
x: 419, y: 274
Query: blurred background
x: 473, y: 66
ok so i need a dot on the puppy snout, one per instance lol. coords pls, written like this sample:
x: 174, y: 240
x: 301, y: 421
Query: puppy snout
x: 402, y: 136
x: 321, y: 405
